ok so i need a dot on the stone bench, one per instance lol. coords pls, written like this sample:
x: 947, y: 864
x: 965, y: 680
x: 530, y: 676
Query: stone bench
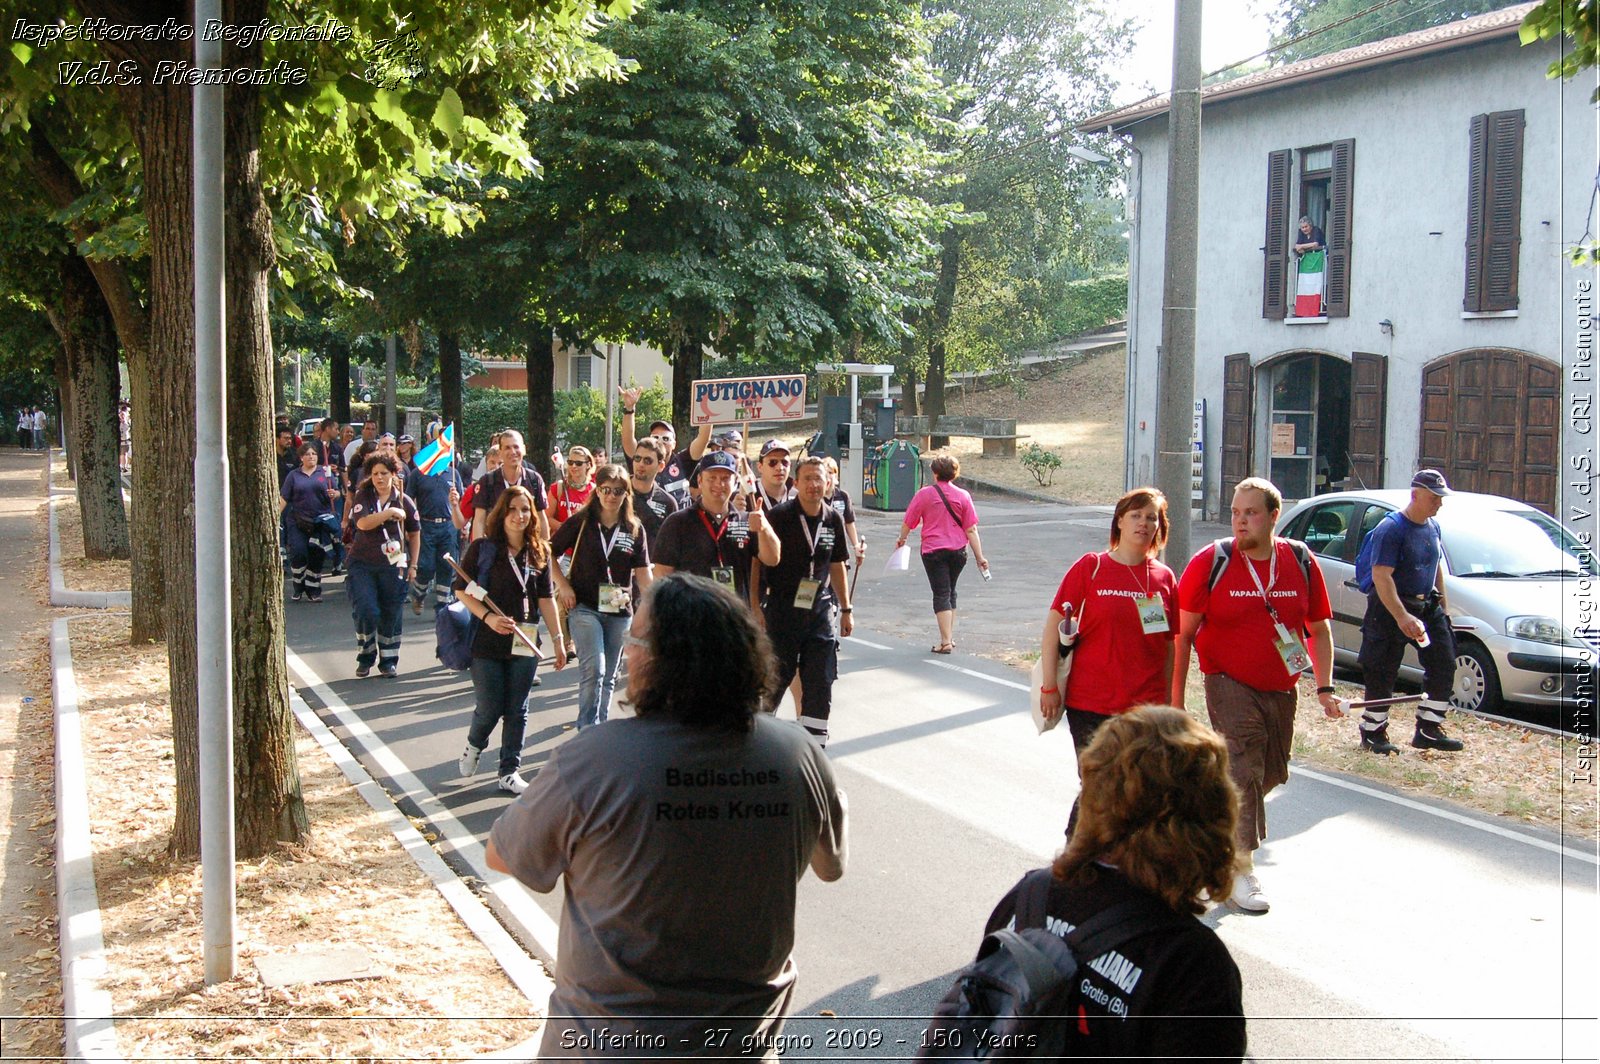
x: 999, y: 434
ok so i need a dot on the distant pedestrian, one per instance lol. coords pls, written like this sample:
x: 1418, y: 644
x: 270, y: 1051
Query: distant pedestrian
x: 438, y: 497
x: 41, y: 422
x: 838, y: 498
x: 383, y: 560
x: 1407, y: 607
x: 305, y: 499
x: 949, y: 524
x: 1247, y: 612
x: 679, y: 836
x: 504, y: 666
x: 25, y: 428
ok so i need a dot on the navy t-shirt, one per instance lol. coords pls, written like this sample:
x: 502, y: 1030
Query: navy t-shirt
x: 1411, y: 549
x: 307, y: 496
x: 432, y: 492
x: 367, y: 545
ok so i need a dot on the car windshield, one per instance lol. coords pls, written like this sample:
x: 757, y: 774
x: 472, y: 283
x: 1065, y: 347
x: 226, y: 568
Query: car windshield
x: 1511, y: 543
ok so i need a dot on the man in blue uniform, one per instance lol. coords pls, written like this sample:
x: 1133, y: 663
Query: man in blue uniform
x: 438, y: 498
x: 1407, y: 605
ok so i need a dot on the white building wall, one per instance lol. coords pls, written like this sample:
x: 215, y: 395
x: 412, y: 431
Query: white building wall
x: 1410, y: 123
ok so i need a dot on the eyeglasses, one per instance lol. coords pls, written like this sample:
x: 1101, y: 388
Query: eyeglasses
x: 613, y: 493
x: 776, y: 463
x: 577, y: 462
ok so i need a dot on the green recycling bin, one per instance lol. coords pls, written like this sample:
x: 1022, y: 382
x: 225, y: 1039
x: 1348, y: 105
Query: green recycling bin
x: 892, y: 475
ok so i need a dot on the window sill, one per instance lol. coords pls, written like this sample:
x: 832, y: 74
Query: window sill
x: 1305, y: 321
x: 1467, y: 315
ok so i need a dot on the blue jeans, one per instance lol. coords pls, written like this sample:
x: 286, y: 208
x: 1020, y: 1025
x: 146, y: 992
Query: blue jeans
x: 599, y: 639
x: 438, y: 539
x: 500, y: 692
x: 377, y: 593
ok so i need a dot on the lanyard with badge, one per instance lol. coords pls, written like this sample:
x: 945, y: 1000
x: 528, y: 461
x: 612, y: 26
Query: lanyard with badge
x: 613, y: 598
x: 1152, y: 612
x: 1291, y: 650
x: 721, y: 573
x: 805, y: 596
x: 522, y: 571
x: 393, y: 549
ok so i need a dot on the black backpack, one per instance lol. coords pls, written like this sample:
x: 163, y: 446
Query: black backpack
x: 1018, y: 999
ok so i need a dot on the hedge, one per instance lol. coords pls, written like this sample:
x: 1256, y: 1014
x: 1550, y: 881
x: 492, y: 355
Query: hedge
x: 1089, y: 304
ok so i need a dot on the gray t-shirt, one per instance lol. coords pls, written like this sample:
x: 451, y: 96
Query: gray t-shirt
x: 682, y: 848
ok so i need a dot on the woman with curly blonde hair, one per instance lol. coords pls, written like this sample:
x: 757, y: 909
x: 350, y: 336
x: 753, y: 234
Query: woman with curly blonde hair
x: 1155, y: 836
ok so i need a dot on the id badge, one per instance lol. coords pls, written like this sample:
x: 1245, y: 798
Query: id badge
x: 612, y: 598
x: 1152, y: 614
x: 805, y: 596
x: 394, y: 552
x: 723, y: 574
x: 519, y: 649
x: 1293, y: 653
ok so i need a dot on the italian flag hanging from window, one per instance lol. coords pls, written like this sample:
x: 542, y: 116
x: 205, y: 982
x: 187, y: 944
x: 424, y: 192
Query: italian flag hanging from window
x: 1308, y: 296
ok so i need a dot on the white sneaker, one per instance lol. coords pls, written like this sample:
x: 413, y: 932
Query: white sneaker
x: 513, y: 784
x: 467, y: 764
x: 1247, y: 894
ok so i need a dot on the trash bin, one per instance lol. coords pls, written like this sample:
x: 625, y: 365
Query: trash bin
x: 892, y: 475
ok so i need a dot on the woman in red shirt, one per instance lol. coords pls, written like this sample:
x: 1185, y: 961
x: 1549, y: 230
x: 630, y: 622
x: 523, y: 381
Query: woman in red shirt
x: 1125, y: 606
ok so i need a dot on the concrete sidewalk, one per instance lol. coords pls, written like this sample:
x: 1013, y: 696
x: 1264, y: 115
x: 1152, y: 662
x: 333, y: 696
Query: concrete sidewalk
x: 27, y: 885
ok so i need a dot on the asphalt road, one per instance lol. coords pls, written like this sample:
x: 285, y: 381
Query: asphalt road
x: 1400, y: 929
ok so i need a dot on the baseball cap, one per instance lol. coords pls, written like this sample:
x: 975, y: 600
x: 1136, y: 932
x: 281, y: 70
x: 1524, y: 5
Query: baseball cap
x: 774, y: 445
x: 716, y: 460
x: 661, y: 425
x: 728, y: 438
x: 1431, y: 479
x: 386, y: 436
x: 408, y: 438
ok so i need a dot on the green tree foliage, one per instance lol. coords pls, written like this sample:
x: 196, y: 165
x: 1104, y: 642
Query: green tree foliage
x: 1022, y: 71
x: 1089, y: 304
x: 1331, y: 25
x: 1579, y: 20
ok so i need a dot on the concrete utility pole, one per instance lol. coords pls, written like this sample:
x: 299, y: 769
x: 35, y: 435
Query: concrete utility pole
x: 1175, y: 412
x: 391, y: 396
x: 212, y: 579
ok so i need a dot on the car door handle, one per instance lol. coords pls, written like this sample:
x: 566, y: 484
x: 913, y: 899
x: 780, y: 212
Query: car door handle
x: 1352, y: 585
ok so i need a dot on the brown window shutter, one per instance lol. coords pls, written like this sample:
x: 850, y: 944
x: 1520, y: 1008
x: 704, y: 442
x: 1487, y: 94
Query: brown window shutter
x: 1275, y: 275
x: 1337, y: 231
x: 1477, y: 168
x: 1238, y: 420
x: 1369, y: 381
x: 1502, y: 215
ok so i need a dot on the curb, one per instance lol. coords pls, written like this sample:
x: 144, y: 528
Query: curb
x: 61, y: 595
x: 90, y: 1033
x: 1001, y: 490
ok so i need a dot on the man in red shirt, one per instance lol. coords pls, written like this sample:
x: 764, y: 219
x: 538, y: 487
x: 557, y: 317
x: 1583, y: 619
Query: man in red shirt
x: 1248, y: 623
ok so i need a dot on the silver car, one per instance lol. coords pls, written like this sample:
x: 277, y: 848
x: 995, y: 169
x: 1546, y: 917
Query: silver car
x: 1512, y: 577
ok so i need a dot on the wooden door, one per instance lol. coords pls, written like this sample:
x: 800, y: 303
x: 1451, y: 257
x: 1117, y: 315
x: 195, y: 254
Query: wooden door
x: 1238, y: 420
x: 1369, y: 386
x: 1491, y: 423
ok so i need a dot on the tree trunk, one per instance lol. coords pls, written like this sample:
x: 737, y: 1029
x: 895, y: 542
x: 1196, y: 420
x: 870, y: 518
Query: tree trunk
x: 541, y: 400
x: 908, y: 376
x: 89, y: 338
x: 944, y: 298
x: 688, y: 362
x: 64, y: 405
x: 133, y: 329
x: 450, y: 378
x: 339, y: 381
x: 266, y: 779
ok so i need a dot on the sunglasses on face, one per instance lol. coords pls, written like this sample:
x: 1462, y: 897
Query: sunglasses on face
x: 777, y: 463
x: 614, y: 493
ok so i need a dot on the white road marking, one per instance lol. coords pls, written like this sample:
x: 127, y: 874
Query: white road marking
x: 506, y: 894
x: 863, y: 642
x: 980, y: 675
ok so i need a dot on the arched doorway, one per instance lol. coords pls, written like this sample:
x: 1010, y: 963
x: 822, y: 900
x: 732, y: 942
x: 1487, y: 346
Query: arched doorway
x: 1303, y: 427
x: 1491, y: 422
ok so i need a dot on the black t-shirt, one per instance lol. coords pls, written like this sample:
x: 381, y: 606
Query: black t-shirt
x: 367, y: 546
x: 840, y: 501
x: 674, y: 477
x: 592, y: 564
x: 1184, y: 976
x: 505, y: 590
x: 807, y: 547
x: 288, y: 462
x: 330, y: 456
x: 686, y: 544
x: 653, y: 508
x: 493, y: 485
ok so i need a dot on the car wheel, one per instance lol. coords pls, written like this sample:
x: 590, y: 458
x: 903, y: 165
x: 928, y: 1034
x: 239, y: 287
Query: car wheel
x: 1477, y: 683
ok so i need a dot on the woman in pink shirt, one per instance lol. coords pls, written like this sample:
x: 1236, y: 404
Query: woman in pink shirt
x: 949, y: 522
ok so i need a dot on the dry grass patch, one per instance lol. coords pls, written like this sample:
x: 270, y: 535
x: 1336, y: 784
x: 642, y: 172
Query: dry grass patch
x: 1083, y: 402
x: 78, y: 572
x: 349, y: 884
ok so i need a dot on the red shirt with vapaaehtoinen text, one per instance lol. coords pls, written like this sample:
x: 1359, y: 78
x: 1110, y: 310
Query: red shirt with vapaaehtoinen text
x: 1116, y: 666
x: 1237, y: 637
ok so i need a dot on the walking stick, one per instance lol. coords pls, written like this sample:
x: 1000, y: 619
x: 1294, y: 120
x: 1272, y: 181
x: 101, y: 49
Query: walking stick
x: 516, y: 629
x: 861, y: 556
x: 1349, y: 705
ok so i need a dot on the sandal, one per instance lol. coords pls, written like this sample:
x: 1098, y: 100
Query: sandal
x: 942, y: 648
